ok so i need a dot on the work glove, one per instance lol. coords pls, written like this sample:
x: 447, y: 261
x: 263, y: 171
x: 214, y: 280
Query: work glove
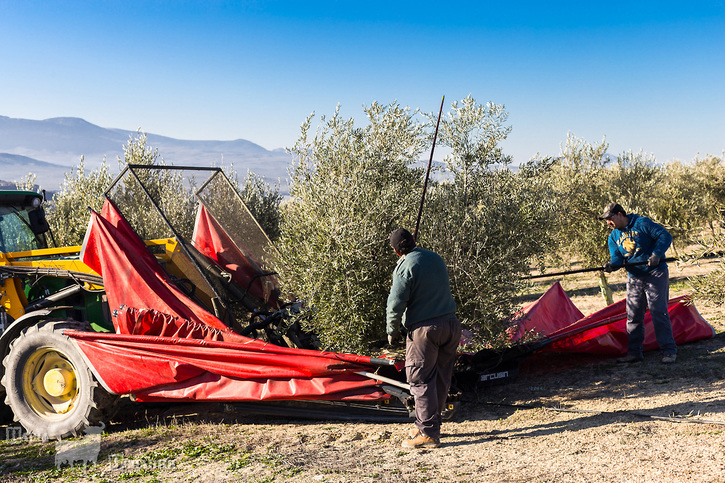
x: 608, y: 267
x: 653, y: 261
x: 394, y: 339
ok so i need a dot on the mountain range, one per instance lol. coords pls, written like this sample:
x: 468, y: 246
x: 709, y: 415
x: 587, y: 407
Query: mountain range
x: 51, y: 148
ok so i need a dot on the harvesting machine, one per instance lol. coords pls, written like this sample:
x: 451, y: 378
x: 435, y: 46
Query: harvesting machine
x: 161, y: 306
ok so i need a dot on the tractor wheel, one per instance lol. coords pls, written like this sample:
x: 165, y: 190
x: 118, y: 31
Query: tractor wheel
x: 48, y: 384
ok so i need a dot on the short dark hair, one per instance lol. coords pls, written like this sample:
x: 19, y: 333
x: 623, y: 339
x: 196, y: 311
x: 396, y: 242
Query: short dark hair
x: 402, y: 241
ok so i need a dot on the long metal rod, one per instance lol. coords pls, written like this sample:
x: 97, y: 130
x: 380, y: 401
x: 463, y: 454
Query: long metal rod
x: 427, y: 173
x: 594, y: 269
x: 380, y: 378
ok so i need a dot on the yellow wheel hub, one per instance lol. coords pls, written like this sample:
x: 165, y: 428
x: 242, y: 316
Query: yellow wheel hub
x: 50, y: 385
x: 58, y: 382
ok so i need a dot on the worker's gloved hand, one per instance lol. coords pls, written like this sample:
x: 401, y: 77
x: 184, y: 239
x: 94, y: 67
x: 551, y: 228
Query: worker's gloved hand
x: 653, y: 261
x: 608, y: 267
x: 394, y: 339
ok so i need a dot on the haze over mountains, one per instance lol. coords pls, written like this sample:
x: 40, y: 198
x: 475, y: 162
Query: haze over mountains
x: 52, y: 147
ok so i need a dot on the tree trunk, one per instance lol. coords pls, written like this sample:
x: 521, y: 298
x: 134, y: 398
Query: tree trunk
x: 604, y: 287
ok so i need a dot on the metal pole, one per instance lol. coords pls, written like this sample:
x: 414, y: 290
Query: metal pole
x: 595, y: 269
x: 427, y: 173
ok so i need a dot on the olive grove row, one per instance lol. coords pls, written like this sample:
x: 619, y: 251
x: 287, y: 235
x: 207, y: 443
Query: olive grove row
x: 353, y: 182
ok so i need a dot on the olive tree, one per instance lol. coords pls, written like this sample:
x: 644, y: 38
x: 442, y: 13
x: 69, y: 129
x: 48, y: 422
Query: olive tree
x: 165, y: 187
x: 262, y: 200
x: 68, y: 211
x: 709, y: 175
x: 581, y: 184
x: 486, y: 220
x: 350, y: 187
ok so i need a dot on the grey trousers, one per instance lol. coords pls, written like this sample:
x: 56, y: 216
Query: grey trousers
x: 430, y: 356
x: 653, y: 291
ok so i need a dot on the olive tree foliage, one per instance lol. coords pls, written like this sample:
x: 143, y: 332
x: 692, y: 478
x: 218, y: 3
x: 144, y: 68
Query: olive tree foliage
x: 68, y: 211
x: 709, y: 175
x: 634, y: 182
x: 487, y: 221
x: 27, y: 183
x: 579, y: 180
x: 473, y: 132
x: 165, y: 187
x: 582, y: 186
x: 350, y: 187
x: 679, y: 202
x: 263, y: 202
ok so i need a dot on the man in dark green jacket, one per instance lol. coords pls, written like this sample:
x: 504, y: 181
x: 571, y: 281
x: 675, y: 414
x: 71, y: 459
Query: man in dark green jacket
x: 420, y: 300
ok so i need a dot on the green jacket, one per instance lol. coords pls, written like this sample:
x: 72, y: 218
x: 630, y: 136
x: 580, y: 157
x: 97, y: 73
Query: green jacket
x: 421, y: 291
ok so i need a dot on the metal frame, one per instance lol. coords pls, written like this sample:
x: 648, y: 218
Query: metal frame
x: 180, y: 240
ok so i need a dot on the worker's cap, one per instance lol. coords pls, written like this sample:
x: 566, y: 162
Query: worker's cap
x: 610, y: 210
x: 402, y: 240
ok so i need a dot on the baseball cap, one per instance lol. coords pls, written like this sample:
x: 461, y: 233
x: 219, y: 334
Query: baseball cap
x: 612, y: 209
x: 402, y: 240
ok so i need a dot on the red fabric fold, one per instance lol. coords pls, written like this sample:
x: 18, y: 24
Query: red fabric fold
x: 555, y: 319
x: 131, y: 275
x: 213, y: 241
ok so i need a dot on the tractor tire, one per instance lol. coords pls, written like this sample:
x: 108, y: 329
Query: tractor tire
x: 48, y: 384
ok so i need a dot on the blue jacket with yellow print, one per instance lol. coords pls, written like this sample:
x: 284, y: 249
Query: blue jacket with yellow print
x: 637, y: 242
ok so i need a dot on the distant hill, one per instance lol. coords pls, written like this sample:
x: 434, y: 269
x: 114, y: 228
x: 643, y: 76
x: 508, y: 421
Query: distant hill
x: 52, y: 147
x: 14, y: 167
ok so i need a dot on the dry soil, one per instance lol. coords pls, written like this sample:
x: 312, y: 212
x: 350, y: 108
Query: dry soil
x: 564, y: 418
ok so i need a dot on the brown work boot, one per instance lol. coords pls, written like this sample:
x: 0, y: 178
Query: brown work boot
x: 414, y: 431
x: 422, y: 441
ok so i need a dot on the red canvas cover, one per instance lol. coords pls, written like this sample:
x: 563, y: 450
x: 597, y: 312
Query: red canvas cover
x: 191, y: 368
x: 549, y: 313
x: 131, y: 274
x: 604, y: 332
x: 611, y: 339
x: 213, y: 241
x: 166, y: 346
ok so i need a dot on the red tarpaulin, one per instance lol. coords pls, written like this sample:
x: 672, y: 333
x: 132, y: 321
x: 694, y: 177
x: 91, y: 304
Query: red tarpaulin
x: 131, y: 274
x: 213, y: 241
x: 166, y: 346
x: 605, y: 331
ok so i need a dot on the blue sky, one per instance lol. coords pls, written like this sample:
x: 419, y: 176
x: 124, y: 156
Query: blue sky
x: 647, y: 75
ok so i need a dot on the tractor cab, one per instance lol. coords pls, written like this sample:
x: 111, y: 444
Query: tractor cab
x: 22, y: 221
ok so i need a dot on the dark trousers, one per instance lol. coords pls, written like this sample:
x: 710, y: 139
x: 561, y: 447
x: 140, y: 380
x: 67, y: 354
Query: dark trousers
x: 649, y: 291
x: 430, y: 356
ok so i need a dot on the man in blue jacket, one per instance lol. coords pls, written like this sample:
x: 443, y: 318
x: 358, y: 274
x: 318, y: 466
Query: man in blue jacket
x: 420, y: 299
x: 636, y: 239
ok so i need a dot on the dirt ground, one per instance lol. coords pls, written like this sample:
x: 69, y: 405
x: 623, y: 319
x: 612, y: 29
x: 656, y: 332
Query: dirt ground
x: 564, y: 418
